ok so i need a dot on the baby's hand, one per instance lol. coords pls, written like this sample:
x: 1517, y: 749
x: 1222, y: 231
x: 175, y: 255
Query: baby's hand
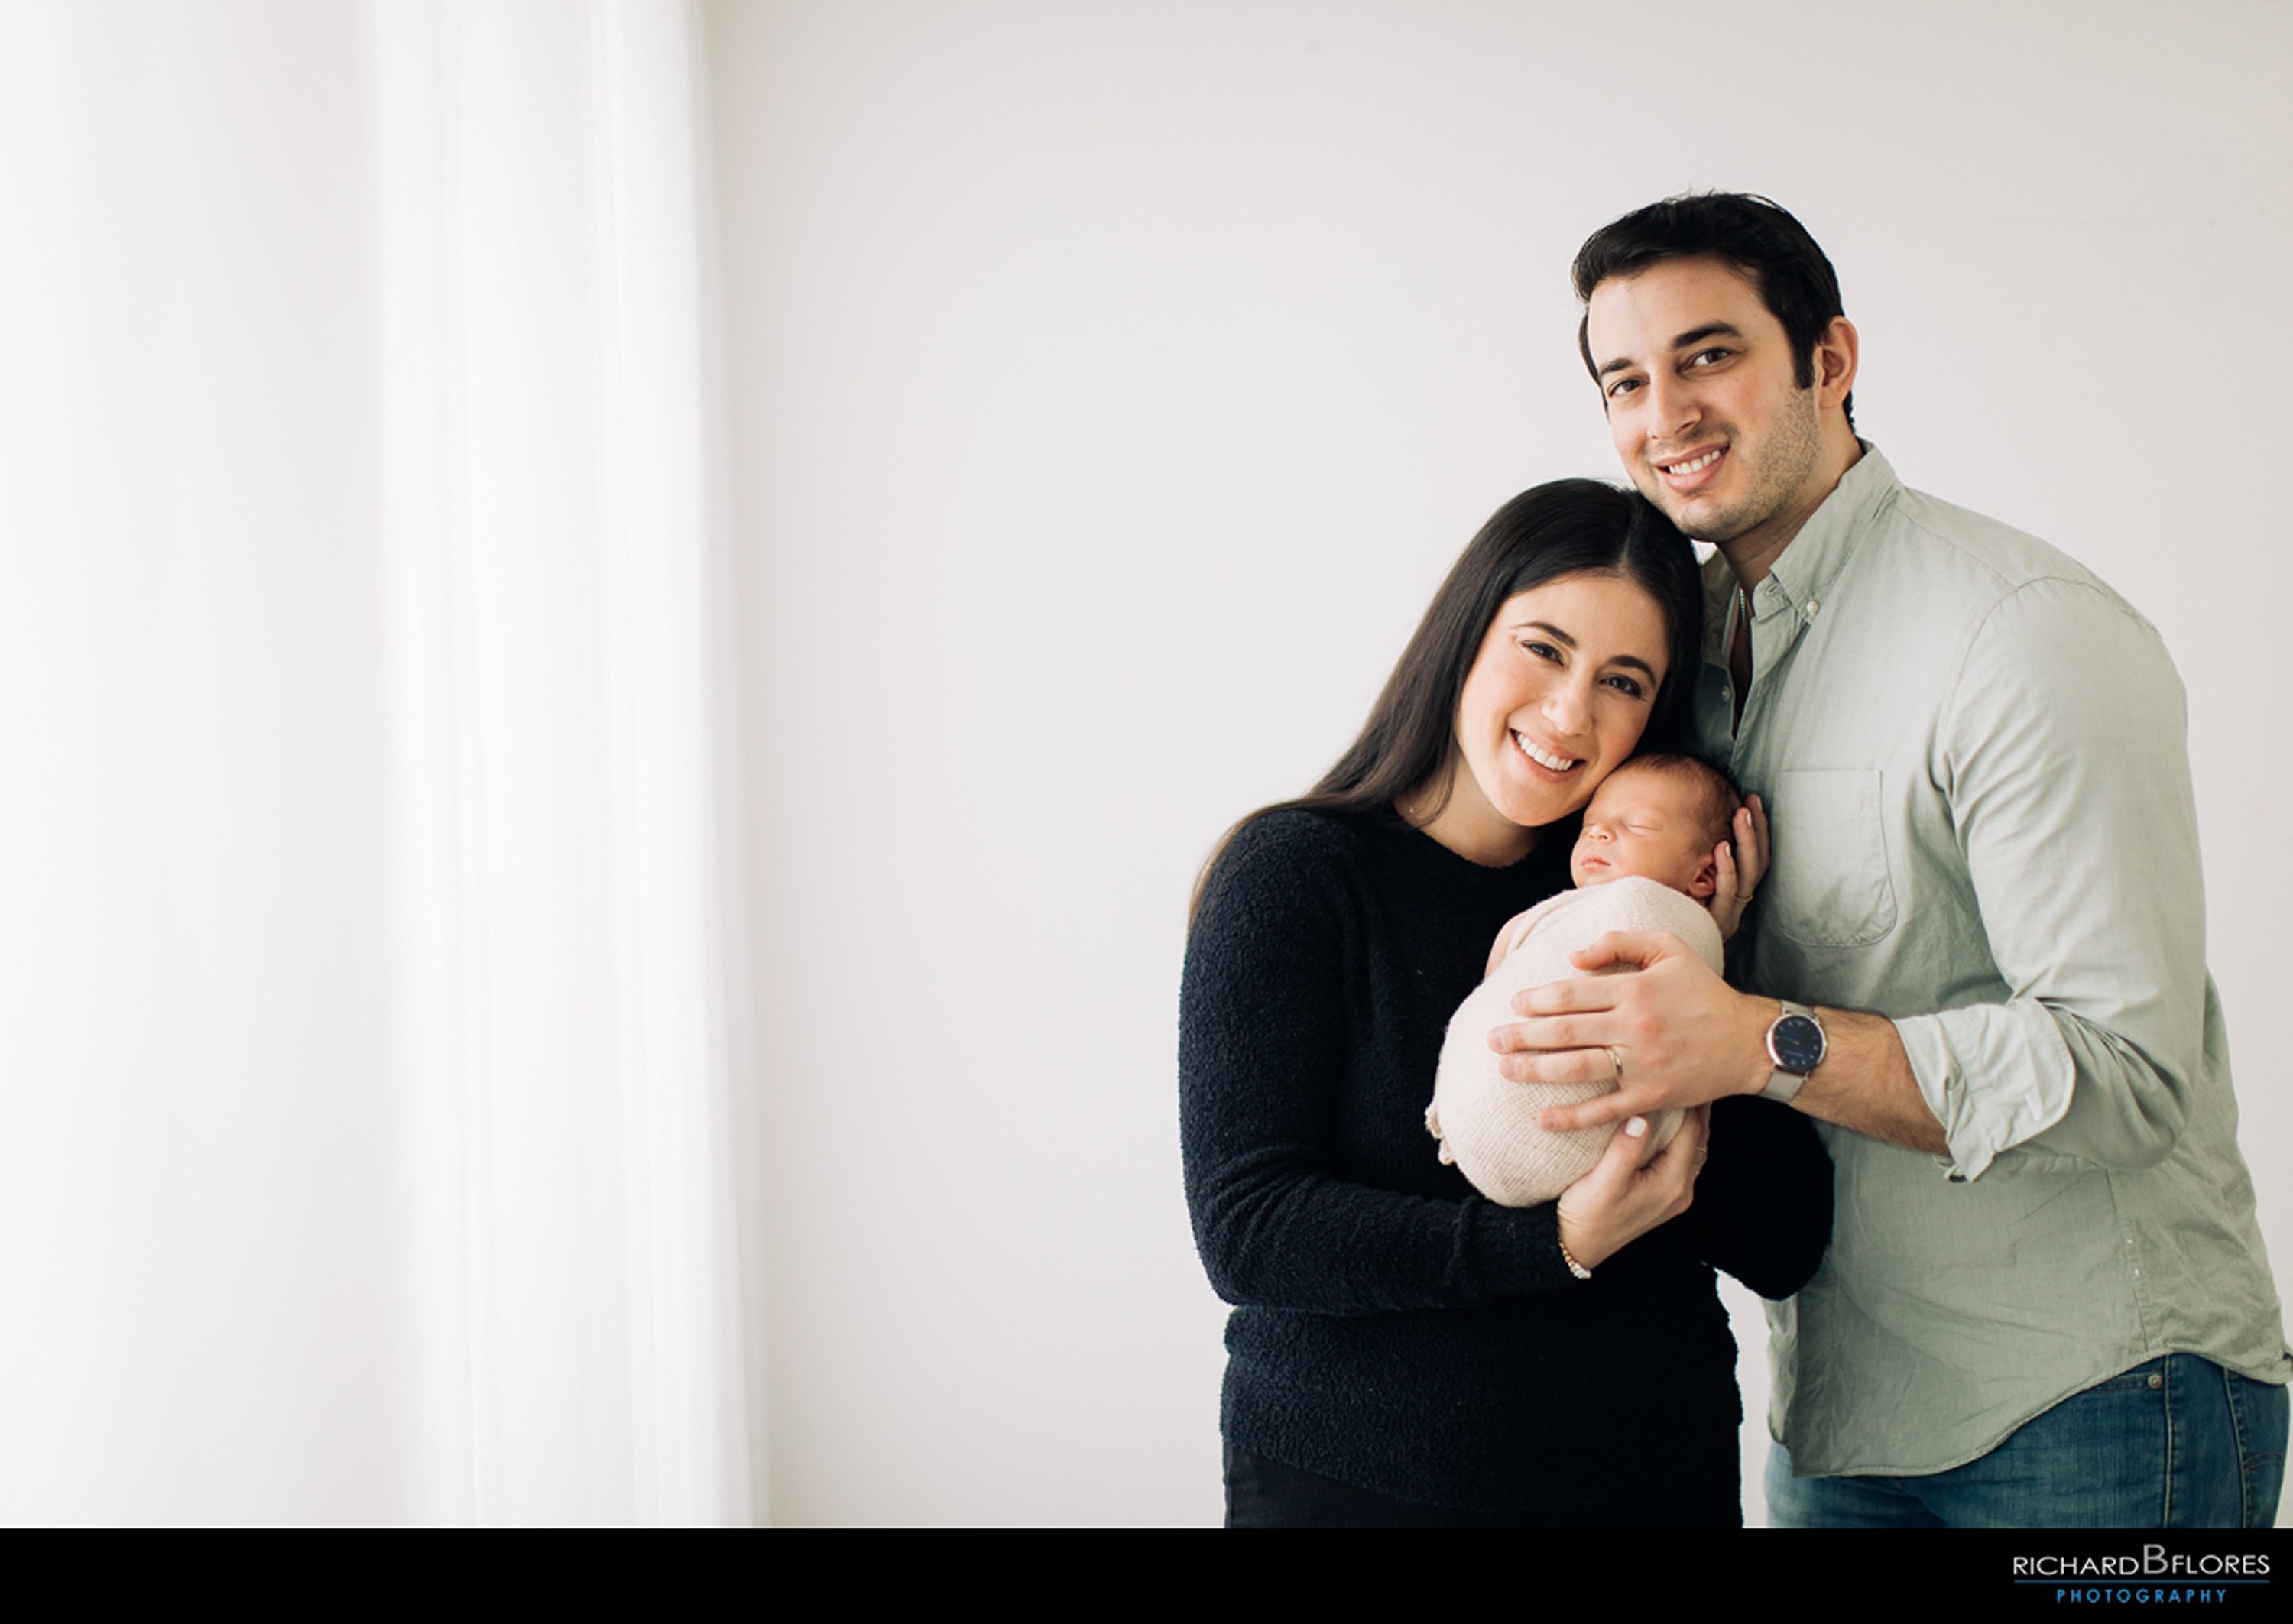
x: 1743, y: 863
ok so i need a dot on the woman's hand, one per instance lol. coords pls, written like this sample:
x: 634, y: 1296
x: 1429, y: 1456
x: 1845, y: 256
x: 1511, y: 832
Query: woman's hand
x: 1624, y: 1197
x: 1743, y: 864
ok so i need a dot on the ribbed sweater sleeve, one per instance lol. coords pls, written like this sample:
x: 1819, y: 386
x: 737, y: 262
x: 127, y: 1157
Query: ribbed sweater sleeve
x: 1762, y: 1205
x: 1289, y: 1043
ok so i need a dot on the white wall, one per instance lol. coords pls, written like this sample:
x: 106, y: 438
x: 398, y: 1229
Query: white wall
x: 1111, y: 383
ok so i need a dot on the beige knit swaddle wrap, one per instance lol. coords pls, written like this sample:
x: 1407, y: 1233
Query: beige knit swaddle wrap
x: 1487, y: 1124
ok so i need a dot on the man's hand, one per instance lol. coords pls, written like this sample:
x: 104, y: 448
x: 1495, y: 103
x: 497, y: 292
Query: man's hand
x: 1680, y: 1036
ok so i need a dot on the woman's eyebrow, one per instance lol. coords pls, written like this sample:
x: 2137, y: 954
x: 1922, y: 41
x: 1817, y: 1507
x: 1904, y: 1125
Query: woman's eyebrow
x: 1563, y: 638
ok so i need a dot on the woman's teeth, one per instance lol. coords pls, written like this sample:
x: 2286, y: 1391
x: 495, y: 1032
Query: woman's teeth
x: 1544, y: 758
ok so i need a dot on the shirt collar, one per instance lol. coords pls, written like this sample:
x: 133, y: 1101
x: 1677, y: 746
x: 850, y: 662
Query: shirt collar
x: 1805, y: 571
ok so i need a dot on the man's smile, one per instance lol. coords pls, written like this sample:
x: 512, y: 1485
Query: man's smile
x: 1688, y: 473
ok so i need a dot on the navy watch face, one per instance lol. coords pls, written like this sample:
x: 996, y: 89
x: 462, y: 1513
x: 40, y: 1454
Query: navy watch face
x: 1796, y: 1042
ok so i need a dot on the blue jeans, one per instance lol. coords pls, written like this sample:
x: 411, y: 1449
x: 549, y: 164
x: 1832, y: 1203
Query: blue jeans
x: 2178, y: 1443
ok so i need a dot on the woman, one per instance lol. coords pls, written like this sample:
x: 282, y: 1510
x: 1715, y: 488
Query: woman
x: 1402, y: 1351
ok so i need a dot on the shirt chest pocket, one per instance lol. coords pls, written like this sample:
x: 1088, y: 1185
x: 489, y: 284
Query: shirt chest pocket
x: 1829, y: 887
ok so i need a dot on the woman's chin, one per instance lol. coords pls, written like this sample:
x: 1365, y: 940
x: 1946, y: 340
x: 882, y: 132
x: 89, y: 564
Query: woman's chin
x: 1547, y: 803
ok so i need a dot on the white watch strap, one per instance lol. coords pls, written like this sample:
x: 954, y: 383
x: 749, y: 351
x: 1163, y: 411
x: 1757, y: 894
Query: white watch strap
x: 1784, y: 1086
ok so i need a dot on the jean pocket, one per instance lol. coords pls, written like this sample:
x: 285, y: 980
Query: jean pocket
x: 2149, y: 1378
x: 1829, y: 887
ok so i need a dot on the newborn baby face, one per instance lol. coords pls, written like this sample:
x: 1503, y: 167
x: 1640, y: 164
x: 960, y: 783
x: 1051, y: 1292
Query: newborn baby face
x: 1643, y: 820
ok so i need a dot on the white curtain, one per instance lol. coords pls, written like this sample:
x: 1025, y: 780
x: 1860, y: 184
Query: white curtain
x: 370, y: 961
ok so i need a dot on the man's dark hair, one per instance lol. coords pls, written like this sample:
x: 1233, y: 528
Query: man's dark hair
x: 1754, y: 235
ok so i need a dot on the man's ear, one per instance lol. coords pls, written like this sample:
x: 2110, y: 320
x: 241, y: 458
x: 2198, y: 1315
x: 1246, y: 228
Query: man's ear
x: 1836, y: 352
x: 1707, y: 877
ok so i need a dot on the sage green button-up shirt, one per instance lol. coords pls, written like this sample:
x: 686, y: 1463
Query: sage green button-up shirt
x: 1974, y: 756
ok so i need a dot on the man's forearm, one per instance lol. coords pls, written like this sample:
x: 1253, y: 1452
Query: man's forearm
x: 1865, y: 1083
x: 1676, y: 1035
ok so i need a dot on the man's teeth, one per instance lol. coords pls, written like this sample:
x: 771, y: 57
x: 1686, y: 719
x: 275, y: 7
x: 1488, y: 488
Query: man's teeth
x: 1544, y: 758
x: 1703, y: 461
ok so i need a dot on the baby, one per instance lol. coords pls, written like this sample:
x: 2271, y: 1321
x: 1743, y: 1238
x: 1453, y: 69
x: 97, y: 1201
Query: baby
x: 1647, y: 861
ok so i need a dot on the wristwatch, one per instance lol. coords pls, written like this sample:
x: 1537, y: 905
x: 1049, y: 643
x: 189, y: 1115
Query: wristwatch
x: 1796, y: 1046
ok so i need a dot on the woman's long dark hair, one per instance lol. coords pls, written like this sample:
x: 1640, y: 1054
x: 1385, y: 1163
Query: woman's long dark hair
x: 1570, y: 527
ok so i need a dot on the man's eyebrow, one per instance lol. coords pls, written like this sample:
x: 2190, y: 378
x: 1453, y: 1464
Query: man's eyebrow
x: 1710, y: 329
x: 1694, y: 335
x: 1563, y: 638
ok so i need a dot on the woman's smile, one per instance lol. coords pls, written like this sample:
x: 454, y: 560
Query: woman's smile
x: 1551, y: 761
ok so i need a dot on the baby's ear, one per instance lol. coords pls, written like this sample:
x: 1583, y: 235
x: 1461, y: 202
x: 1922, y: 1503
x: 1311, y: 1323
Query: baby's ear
x: 1708, y: 877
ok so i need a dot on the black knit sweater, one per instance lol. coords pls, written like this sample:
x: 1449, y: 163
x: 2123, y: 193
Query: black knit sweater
x: 1393, y: 1328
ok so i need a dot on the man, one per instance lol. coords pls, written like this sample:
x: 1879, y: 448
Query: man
x: 1978, y: 958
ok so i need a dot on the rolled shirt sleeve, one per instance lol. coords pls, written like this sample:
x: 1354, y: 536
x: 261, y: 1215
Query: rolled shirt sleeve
x: 2063, y: 755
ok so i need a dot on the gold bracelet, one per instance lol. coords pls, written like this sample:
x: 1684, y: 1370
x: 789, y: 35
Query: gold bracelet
x: 1575, y: 1268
